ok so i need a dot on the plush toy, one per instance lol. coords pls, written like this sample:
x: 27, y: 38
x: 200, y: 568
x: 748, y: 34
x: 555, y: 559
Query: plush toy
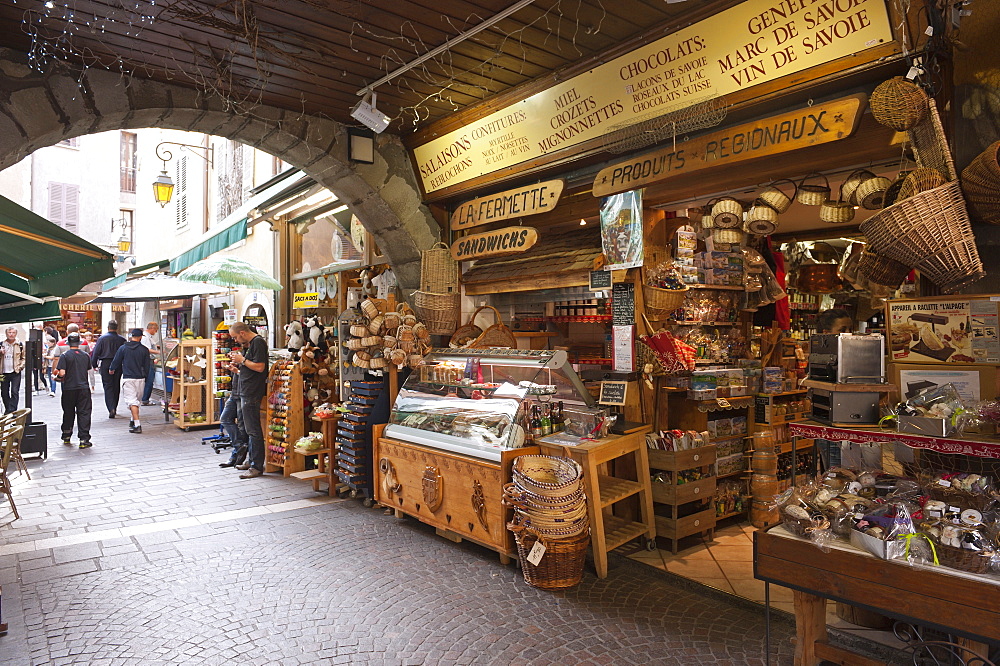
x: 293, y: 336
x: 307, y: 359
x: 325, y: 380
x: 314, y: 330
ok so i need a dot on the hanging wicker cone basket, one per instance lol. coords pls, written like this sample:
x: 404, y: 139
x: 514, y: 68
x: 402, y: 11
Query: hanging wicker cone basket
x: 882, y: 270
x: 898, y: 103
x: 774, y: 197
x: 981, y: 184
x: 870, y: 194
x: 836, y: 212
x: 727, y: 213
x: 438, y: 270
x: 919, y: 180
x: 813, y: 195
x: 930, y: 231
x: 438, y: 312
x: 848, y: 190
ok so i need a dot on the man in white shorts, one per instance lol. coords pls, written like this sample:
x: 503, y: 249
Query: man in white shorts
x: 132, y: 362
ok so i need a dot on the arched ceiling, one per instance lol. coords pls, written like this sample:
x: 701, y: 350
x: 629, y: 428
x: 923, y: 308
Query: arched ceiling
x: 312, y: 56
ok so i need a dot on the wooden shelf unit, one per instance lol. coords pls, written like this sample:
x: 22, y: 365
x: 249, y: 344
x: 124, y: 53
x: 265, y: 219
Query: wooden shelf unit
x: 194, y: 385
x: 697, y: 519
x: 285, y: 423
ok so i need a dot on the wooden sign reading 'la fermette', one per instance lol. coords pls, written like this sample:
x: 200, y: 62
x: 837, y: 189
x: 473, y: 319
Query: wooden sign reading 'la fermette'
x: 509, y: 240
x: 528, y: 200
x: 811, y: 126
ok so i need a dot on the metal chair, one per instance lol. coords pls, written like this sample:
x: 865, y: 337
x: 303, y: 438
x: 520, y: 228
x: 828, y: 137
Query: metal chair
x: 8, y: 437
x: 21, y: 417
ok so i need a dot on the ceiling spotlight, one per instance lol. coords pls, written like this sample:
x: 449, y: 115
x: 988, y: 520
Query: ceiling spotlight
x: 366, y: 114
x: 583, y: 222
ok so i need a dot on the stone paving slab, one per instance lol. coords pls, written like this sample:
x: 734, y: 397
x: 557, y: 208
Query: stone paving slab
x: 265, y: 571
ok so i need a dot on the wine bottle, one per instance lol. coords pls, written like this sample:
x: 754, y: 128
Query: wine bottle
x: 535, y: 425
x: 546, y: 421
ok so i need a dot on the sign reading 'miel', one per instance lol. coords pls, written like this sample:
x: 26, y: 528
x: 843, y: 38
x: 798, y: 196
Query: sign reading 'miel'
x: 537, y: 198
x: 811, y: 126
x: 509, y: 240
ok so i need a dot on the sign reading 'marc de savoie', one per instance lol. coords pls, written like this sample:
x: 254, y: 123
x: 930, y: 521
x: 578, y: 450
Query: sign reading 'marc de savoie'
x: 746, y: 45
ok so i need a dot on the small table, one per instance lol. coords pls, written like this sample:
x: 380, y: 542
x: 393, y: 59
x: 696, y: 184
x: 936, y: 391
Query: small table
x: 608, y: 531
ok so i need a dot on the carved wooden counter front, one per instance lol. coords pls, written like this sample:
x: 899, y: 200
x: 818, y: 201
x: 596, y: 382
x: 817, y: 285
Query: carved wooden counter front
x: 460, y: 495
x: 955, y: 602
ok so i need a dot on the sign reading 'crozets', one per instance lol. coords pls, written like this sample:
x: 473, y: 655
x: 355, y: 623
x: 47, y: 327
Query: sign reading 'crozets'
x: 537, y: 198
x: 509, y: 240
x: 746, y: 45
x: 822, y: 123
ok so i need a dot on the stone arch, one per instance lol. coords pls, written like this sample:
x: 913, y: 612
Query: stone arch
x: 42, y: 109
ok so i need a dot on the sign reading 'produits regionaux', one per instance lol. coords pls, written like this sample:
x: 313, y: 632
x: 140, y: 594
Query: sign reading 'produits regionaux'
x: 497, y: 243
x: 746, y: 45
x: 537, y: 198
x: 822, y: 123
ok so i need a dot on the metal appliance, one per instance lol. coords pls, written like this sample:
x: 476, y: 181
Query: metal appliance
x: 845, y: 407
x: 847, y: 358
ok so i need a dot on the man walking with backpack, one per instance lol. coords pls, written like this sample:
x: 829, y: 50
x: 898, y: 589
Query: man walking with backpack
x: 132, y: 363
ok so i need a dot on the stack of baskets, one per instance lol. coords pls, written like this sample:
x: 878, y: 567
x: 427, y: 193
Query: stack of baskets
x: 378, y: 338
x: 927, y: 226
x: 549, y: 506
x: 437, y: 301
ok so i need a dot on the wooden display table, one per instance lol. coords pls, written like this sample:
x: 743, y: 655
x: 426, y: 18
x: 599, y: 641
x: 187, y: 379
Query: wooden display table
x: 608, y: 531
x: 953, y: 601
x: 459, y: 495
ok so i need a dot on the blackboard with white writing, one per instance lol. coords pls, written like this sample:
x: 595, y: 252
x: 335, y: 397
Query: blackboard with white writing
x: 623, y: 304
x: 612, y: 393
x: 600, y: 280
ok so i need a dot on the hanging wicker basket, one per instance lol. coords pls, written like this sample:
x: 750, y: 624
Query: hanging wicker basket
x: 898, y: 103
x: 836, y: 212
x: 727, y: 213
x: 762, y: 220
x: 774, y: 197
x: 849, y: 188
x: 663, y: 300
x: 892, y: 192
x: 930, y: 145
x: 981, y: 184
x: 871, y: 193
x: 728, y: 236
x: 919, y: 180
x: 882, y: 270
x: 813, y: 195
x: 438, y: 270
x: 439, y: 312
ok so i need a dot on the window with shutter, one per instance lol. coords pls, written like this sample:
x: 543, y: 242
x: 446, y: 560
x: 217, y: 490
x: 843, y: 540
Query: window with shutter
x: 180, y: 193
x: 64, y: 205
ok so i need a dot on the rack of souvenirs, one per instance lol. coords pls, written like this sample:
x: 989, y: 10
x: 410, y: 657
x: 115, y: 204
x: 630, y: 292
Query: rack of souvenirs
x: 285, y: 419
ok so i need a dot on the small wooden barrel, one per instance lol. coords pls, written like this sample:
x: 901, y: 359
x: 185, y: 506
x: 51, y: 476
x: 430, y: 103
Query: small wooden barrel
x: 763, y: 487
x: 764, y: 461
x: 763, y: 514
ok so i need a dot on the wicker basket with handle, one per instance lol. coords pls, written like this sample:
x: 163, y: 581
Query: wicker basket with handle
x: 981, y: 184
x: 774, y: 197
x: 496, y: 335
x: 848, y: 189
x: 438, y: 270
x: 930, y: 146
x: 898, y: 103
x: 870, y: 194
x: 727, y: 213
x: 438, y: 312
x: 919, y: 180
x: 813, y: 195
x: 836, y: 212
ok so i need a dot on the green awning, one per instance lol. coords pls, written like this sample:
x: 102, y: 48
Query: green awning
x: 114, y: 282
x: 119, y: 280
x: 39, y: 259
x: 33, y: 312
x: 230, y: 235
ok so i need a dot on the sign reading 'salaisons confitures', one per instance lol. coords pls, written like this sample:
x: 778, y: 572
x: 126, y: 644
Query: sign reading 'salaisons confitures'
x: 749, y: 44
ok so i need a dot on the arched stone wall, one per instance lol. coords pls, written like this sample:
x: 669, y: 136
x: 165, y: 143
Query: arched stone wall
x: 38, y: 110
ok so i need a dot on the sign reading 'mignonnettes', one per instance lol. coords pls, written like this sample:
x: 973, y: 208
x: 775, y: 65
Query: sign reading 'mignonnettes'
x: 529, y: 200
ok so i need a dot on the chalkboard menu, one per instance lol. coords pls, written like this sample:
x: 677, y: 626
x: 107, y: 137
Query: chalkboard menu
x: 600, y: 280
x: 612, y: 393
x: 623, y: 304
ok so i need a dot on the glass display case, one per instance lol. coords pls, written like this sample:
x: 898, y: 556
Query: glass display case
x: 478, y: 402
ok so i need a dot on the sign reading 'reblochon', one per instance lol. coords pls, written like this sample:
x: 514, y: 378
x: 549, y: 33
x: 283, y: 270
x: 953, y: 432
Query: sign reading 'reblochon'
x: 749, y: 44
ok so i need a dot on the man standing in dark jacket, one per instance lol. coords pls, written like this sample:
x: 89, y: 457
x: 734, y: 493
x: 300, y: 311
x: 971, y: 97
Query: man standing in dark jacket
x: 131, y: 363
x: 76, y: 401
x: 104, y: 352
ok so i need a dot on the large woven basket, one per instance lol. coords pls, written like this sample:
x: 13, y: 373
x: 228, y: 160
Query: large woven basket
x: 882, y: 270
x: 981, y: 184
x: 438, y: 271
x: 547, y: 475
x: 898, y: 103
x: 663, y: 300
x: 439, y: 312
x: 562, y: 564
x: 930, y: 146
x: 931, y: 232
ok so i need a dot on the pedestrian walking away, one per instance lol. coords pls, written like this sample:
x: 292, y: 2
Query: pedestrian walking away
x: 12, y: 360
x: 251, y: 387
x: 104, y: 352
x: 77, y: 402
x: 151, y: 341
x: 131, y: 363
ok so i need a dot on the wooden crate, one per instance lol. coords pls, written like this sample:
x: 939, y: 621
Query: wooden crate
x: 678, y: 528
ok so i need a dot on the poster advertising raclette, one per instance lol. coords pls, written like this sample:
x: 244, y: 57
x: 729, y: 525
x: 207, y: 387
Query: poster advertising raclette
x: 944, y: 331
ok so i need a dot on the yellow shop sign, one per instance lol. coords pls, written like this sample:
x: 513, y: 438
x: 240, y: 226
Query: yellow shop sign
x: 305, y: 299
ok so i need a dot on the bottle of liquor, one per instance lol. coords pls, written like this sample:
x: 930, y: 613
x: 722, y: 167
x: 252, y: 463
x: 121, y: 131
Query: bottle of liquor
x: 546, y: 421
x: 535, y: 425
x: 559, y: 423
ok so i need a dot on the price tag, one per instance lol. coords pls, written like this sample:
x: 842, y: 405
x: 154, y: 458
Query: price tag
x: 536, y: 553
x: 944, y: 482
x: 723, y: 403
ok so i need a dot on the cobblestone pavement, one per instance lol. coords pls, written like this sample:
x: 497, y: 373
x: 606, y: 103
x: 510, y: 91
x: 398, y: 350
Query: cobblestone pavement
x: 142, y: 550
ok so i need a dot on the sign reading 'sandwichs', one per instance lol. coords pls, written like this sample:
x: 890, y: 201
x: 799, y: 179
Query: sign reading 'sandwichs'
x: 749, y: 44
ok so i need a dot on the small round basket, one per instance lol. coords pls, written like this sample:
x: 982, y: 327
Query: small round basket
x: 727, y: 213
x: 836, y: 212
x: 354, y: 344
x: 774, y: 197
x: 919, y: 180
x: 547, y: 475
x: 376, y: 324
x: 962, y: 559
x: 892, y: 192
x: 849, y: 188
x: 730, y: 236
x: 371, y: 341
x: 663, y: 300
x: 760, y: 227
x: 369, y: 307
x: 870, y: 194
x: 707, y: 222
x: 898, y: 103
x: 358, y: 331
x: 812, y: 194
